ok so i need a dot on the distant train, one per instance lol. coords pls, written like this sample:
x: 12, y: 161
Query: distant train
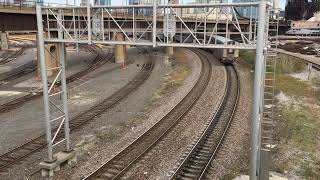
x: 303, y: 32
x: 224, y: 55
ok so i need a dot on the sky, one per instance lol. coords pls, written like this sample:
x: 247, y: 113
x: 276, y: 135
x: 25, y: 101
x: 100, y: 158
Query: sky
x: 123, y: 2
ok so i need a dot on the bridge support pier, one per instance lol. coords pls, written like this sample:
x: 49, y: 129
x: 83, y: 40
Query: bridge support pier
x: 169, y: 51
x: 52, y: 55
x: 148, y: 36
x: 120, y: 51
x: 4, y: 41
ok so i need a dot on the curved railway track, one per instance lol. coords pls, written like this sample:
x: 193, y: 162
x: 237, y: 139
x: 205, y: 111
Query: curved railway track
x: 9, y: 57
x: 196, y: 163
x: 18, y: 154
x: 120, y: 163
x: 99, y: 60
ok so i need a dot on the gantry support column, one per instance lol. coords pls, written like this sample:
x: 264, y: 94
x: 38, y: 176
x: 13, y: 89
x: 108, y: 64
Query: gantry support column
x: 257, y: 107
x: 56, y: 112
x: 4, y: 41
x: 120, y: 51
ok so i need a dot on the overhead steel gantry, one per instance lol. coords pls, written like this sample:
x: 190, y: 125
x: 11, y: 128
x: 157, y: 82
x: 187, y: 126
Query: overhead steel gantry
x: 96, y: 25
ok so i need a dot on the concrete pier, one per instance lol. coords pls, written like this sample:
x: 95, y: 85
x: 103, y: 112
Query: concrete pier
x: 4, y: 41
x: 148, y: 36
x: 120, y: 50
x: 169, y: 51
x: 52, y: 55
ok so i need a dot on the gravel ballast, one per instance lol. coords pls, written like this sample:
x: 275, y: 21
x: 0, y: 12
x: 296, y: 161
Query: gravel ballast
x: 163, y: 157
x: 232, y: 157
x: 97, y: 154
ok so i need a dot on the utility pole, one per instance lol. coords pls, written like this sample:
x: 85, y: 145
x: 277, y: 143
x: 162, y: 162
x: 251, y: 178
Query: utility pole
x: 154, y: 20
x: 257, y: 109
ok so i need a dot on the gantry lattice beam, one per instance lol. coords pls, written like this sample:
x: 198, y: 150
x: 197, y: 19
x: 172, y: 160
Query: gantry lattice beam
x: 98, y: 24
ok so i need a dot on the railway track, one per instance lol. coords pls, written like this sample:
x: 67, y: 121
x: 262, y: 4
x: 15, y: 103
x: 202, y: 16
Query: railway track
x: 100, y: 59
x: 10, y: 57
x: 196, y: 163
x: 18, y: 154
x: 120, y: 163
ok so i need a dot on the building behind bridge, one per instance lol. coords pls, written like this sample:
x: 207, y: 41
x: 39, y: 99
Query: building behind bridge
x: 102, y: 2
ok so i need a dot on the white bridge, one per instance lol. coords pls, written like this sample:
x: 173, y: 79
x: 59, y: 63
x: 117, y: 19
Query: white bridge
x: 99, y: 24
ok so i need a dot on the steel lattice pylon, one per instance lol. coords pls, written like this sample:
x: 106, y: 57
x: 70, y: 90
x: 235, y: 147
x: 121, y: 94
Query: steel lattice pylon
x: 49, y: 105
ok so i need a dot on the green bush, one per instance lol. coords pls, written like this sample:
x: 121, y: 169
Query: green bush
x: 248, y: 56
x: 285, y: 64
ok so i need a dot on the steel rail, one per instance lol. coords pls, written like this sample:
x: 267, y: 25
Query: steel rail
x: 15, y: 155
x: 226, y: 129
x: 198, y: 160
x: 120, y: 163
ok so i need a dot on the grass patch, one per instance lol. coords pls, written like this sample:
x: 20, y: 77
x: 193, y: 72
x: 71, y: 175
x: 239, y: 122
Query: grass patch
x: 316, y: 81
x: 292, y: 86
x: 311, y: 170
x: 113, y: 133
x: 248, y: 56
x: 301, y: 128
x: 297, y: 151
x: 229, y: 177
x: 285, y: 64
x: 108, y: 135
x: 281, y: 167
x: 178, y: 73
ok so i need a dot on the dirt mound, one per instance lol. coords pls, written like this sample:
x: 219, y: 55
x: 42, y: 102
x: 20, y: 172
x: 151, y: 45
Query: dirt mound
x: 303, y: 47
